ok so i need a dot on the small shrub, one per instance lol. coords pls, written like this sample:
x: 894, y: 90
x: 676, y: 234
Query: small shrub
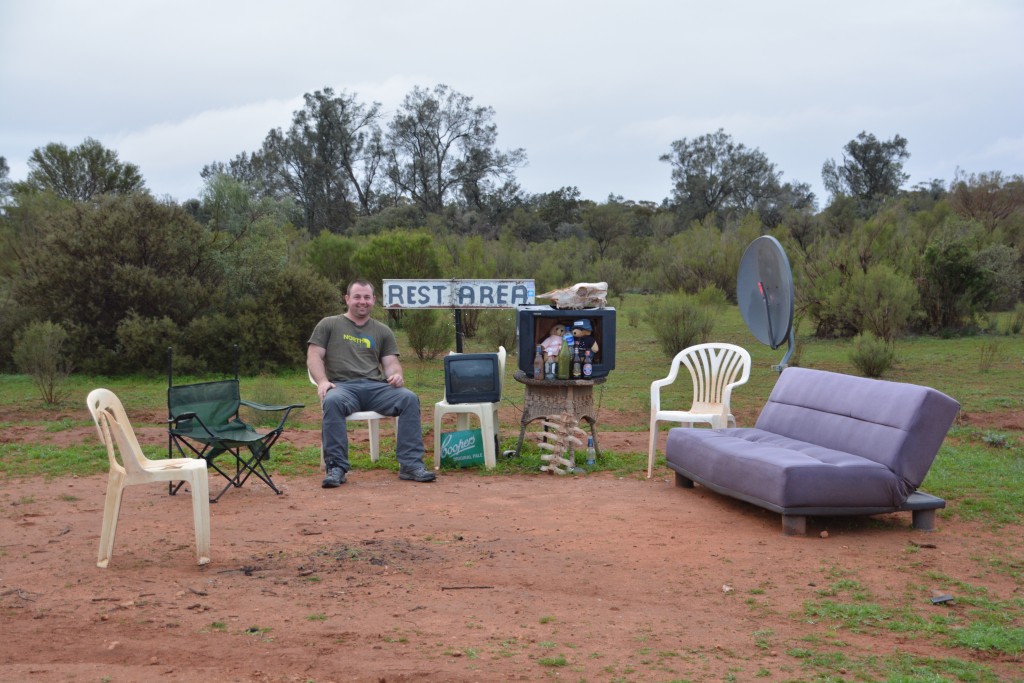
x: 497, y: 328
x: 988, y: 354
x: 680, y: 321
x: 1015, y: 322
x: 872, y: 356
x: 996, y: 439
x: 431, y: 332
x: 39, y: 352
x: 882, y: 301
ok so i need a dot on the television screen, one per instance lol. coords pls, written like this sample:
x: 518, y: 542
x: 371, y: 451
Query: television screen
x: 472, y: 378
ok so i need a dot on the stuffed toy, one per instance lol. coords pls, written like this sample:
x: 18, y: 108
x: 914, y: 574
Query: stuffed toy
x: 583, y: 332
x: 552, y: 344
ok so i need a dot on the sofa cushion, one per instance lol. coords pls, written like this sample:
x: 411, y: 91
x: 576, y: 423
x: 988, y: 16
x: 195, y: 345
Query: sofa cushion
x: 787, y: 473
x: 900, y: 426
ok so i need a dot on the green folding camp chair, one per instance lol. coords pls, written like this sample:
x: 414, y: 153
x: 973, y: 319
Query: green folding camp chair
x: 203, y: 421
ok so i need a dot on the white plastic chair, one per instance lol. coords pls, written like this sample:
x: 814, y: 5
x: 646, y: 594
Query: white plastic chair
x: 372, y: 418
x: 714, y: 369
x: 135, y: 468
x: 486, y: 413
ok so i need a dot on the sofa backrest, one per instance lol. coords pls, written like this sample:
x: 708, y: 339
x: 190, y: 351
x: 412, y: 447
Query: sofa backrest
x: 897, y: 425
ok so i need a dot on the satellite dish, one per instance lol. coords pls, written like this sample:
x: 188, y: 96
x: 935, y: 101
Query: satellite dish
x: 764, y: 292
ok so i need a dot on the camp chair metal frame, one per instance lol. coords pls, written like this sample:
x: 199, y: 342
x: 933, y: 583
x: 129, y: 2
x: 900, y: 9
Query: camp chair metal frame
x: 203, y: 422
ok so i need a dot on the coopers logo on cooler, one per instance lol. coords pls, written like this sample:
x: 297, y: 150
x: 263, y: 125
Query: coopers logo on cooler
x: 464, y: 448
x: 451, y: 448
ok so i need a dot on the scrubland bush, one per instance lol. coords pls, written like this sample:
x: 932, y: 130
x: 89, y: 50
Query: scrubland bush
x: 430, y: 332
x: 872, y: 356
x: 39, y: 353
x: 498, y: 328
x: 680, y: 320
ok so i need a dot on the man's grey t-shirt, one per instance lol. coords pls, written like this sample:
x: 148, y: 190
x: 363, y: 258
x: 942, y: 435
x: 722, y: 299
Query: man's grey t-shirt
x: 353, y: 351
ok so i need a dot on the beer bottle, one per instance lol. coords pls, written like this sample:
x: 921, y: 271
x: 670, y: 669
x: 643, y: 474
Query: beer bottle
x: 538, y: 364
x: 564, y: 361
x: 588, y: 365
x: 577, y: 371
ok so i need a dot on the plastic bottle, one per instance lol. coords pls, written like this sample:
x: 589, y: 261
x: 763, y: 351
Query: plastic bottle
x: 591, y: 452
x: 538, y: 364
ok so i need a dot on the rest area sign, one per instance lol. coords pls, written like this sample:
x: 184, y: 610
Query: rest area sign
x: 458, y: 293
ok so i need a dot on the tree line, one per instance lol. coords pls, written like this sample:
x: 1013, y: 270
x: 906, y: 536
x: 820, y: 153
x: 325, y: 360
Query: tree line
x: 340, y: 193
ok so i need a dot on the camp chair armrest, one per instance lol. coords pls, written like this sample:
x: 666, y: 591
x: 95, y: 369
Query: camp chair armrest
x: 265, y: 408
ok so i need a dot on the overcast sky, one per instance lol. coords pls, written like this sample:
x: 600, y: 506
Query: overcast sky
x: 594, y: 91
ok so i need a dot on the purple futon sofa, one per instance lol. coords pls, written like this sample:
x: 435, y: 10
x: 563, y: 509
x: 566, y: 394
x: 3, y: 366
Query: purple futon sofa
x: 824, y: 444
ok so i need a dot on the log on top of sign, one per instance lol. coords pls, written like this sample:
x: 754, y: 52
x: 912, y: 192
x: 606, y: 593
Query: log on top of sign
x: 458, y: 293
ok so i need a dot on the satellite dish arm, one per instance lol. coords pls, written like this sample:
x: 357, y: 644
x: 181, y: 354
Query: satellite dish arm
x: 767, y: 313
x: 784, y: 363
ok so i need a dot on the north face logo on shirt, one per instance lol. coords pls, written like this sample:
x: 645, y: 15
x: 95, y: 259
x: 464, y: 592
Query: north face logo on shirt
x: 361, y: 341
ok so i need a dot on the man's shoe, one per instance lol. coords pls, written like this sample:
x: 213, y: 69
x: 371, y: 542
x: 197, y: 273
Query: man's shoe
x: 420, y: 474
x: 335, y: 478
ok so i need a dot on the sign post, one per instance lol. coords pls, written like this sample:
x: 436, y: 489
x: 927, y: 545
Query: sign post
x: 457, y: 295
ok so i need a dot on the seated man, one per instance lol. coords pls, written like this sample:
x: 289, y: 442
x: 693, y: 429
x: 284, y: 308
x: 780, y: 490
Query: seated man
x: 354, y: 361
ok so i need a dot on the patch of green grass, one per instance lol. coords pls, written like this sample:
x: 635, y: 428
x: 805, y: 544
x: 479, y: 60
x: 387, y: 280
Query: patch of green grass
x: 897, y: 668
x: 761, y: 638
x: 984, y: 484
x: 558, y: 661
x: 989, y: 637
x: 34, y: 460
x: 63, y: 424
x: 318, y: 616
x: 855, y: 618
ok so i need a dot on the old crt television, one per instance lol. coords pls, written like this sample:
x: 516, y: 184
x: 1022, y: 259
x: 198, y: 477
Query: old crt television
x: 472, y: 378
x: 535, y: 323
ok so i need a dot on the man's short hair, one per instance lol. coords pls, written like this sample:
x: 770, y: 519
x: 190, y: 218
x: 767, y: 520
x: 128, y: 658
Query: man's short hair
x: 360, y: 281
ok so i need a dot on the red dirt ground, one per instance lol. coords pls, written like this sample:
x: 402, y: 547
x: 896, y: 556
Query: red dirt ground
x: 472, y: 578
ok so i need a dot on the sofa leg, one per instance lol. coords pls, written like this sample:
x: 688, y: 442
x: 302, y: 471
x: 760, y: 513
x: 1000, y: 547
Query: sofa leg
x: 794, y: 525
x: 683, y: 482
x: 924, y: 520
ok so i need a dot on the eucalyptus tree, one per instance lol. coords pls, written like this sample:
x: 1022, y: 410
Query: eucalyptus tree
x: 607, y: 224
x: 80, y: 173
x: 441, y: 148
x: 872, y: 170
x: 713, y: 174
x: 329, y: 160
x: 994, y: 200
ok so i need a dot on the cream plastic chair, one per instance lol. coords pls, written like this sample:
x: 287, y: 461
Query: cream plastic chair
x: 135, y: 468
x: 373, y: 422
x: 486, y: 413
x: 714, y: 369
